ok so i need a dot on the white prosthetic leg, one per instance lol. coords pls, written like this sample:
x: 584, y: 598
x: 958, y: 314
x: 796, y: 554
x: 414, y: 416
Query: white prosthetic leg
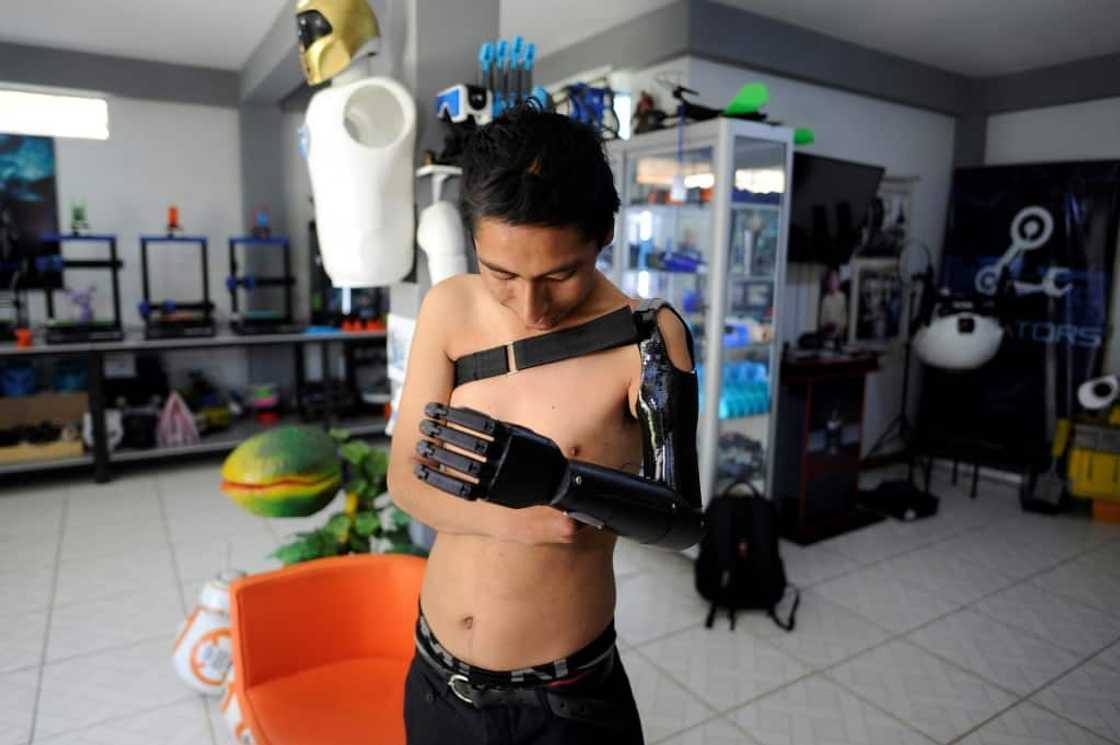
x: 440, y: 233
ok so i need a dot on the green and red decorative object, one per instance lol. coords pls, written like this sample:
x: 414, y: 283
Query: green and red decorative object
x: 287, y: 472
x: 296, y: 471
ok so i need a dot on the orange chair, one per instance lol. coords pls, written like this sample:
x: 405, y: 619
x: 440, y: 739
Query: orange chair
x: 321, y: 649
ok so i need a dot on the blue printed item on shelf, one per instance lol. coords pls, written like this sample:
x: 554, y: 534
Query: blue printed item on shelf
x: 736, y: 335
x: 745, y: 391
x: 18, y: 379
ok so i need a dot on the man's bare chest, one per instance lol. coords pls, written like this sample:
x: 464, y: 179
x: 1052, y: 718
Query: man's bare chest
x: 582, y: 404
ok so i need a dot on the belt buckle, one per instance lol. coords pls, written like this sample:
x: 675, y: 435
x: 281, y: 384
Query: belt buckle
x: 459, y: 678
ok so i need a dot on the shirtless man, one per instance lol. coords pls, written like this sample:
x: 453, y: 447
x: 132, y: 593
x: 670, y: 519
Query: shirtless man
x: 515, y: 642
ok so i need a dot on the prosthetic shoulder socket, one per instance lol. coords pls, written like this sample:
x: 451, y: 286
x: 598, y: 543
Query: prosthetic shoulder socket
x: 663, y: 506
x: 360, y: 156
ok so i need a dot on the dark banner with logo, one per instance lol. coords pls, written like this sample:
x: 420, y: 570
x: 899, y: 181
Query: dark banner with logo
x: 1053, y: 227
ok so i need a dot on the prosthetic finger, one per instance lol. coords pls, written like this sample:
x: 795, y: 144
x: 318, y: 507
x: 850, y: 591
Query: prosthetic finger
x: 463, y: 417
x: 445, y: 457
x: 468, y: 442
x: 446, y: 483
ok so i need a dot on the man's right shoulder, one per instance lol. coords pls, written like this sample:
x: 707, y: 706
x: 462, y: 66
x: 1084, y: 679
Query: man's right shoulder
x: 455, y: 297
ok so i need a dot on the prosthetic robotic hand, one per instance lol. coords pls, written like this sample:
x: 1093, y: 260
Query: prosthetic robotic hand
x: 520, y: 468
x: 515, y: 467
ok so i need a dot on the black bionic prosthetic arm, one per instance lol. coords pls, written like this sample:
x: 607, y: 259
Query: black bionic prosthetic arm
x: 516, y: 467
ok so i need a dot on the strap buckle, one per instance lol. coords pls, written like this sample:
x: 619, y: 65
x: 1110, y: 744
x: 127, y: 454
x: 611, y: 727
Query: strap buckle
x: 460, y: 679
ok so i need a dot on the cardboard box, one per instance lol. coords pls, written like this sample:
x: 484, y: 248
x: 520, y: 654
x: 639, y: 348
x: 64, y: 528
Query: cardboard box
x: 57, y: 408
x: 60, y: 408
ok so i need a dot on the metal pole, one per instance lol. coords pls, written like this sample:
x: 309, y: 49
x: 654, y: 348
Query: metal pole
x: 717, y: 311
x: 206, y: 280
x: 779, y: 292
x: 289, y: 282
x: 233, y: 274
x: 97, y: 416
x: 115, y: 270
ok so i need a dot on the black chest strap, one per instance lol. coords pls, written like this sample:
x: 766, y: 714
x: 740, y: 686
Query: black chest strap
x: 615, y: 329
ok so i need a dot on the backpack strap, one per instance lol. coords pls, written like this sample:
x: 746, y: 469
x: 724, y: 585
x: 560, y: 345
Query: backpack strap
x: 615, y: 329
x: 791, y: 620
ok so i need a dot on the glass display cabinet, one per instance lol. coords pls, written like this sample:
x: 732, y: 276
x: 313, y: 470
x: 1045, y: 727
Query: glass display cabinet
x: 703, y: 224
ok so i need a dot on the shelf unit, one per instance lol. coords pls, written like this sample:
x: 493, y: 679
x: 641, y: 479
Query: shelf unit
x: 687, y: 204
x: 101, y: 459
x: 221, y: 442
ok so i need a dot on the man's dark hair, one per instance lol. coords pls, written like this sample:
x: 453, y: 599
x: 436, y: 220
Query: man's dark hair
x: 530, y: 167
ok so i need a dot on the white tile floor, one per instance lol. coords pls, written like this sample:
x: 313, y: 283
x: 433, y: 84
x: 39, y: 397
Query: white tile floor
x: 981, y: 626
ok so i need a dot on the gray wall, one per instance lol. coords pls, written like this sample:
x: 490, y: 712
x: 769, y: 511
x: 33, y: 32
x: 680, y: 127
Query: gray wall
x: 703, y: 29
x: 120, y: 76
x: 158, y: 153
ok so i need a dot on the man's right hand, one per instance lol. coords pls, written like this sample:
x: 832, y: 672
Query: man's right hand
x: 541, y: 525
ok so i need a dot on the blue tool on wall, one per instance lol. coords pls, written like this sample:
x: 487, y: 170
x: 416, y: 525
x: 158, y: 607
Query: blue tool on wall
x: 516, y: 62
x: 501, y: 91
x: 486, y: 55
x: 593, y: 105
x: 504, y: 80
x: 537, y: 93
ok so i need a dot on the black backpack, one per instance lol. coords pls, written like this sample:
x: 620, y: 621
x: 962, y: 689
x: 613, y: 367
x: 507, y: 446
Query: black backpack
x: 739, y: 565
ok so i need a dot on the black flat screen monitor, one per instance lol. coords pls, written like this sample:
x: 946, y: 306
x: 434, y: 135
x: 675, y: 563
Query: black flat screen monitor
x: 829, y: 207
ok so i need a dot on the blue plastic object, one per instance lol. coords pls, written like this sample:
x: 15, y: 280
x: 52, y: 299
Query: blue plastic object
x: 168, y: 306
x: 540, y: 95
x: 59, y: 237
x: 145, y: 309
x: 51, y: 263
x: 18, y: 379
x: 231, y: 283
x: 485, y: 59
x: 745, y: 390
x: 501, y: 67
x: 587, y: 104
x: 248, y: 240
x: 680, y: 261
x: 736, y: 335
x: 165, y: 238
x: 69, y: 375
x: 449, y: 102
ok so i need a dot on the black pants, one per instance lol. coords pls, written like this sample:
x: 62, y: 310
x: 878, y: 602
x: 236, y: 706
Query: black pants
x: 434, y: 715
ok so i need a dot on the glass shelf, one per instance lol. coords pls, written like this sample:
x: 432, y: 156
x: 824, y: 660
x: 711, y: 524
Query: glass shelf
x: 702, y: 226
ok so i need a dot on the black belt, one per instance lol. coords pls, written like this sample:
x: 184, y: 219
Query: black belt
x: 485, y: 696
